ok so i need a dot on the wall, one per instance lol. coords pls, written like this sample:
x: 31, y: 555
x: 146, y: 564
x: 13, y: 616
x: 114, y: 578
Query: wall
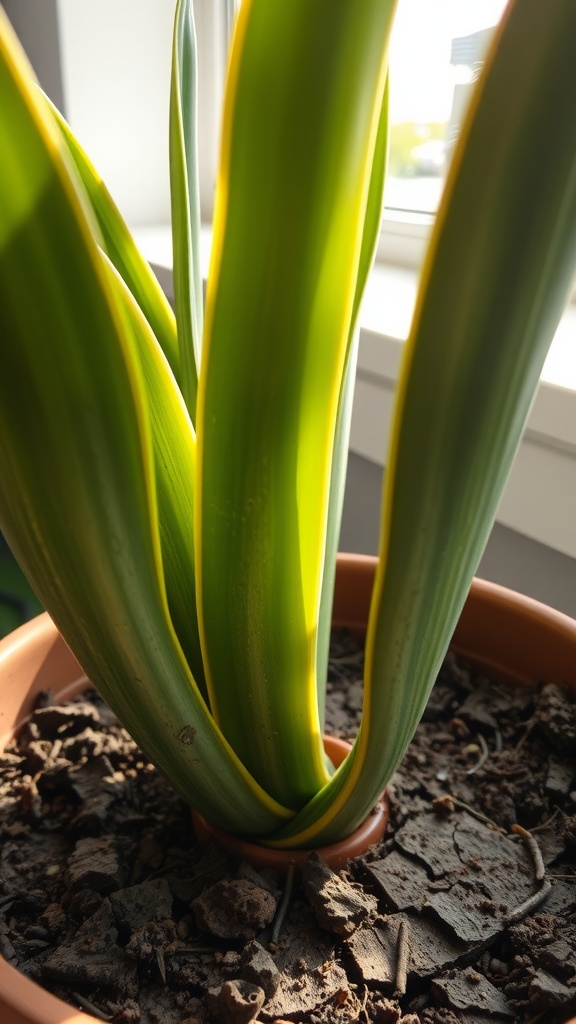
x: 510, y: 558
x: 106, y: 66
x: 36, y: 22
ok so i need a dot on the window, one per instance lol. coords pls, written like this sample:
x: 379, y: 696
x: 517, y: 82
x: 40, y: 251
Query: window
x: 107, y: 67
x: 432, y: 71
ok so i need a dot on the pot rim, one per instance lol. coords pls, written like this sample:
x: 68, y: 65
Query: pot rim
x: 548, y: 636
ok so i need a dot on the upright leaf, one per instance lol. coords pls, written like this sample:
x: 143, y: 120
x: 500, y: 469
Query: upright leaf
x: 174, y: 448
x: 185, y: 197
x: 175, y: 445
x: 339, y: 460
x: 290, y: 215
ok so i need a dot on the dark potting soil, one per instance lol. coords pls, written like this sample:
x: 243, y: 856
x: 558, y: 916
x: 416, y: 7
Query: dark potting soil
x: 466, y: 912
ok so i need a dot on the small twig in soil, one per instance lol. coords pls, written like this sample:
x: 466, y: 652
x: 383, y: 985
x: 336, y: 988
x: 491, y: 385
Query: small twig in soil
x: 283, y: 905
x: 87, y: 1005
x: 540, y: 828
x: 478, y: 814
x: 187, y: 950
x: 538, y: 897
x: 529, y: 726
x: 402, y: 958
x: 161, y: 964
x: 507, y: 773
x: 483, y: 756
x: 566, y: 878
x: 530, y: 904
x: 533, y: 849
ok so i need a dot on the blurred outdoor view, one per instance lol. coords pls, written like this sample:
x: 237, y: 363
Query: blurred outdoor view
x: 436, y: 51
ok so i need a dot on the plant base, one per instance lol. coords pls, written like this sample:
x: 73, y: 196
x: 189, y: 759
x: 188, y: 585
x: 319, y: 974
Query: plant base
x: 336, y: 855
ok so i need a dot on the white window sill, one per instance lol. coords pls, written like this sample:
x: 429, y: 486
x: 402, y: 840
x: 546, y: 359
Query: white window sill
x: 540, y: 498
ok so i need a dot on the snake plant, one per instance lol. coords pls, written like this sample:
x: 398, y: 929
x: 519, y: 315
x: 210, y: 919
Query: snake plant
x: 172, y: 483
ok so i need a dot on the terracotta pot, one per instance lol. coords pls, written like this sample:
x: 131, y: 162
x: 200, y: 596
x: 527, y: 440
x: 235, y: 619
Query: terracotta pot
x: 513, y: 636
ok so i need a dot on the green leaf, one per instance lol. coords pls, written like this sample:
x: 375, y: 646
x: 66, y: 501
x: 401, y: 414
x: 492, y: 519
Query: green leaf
x: 121, y: 248
x: 339, y: 460
x: 497, y: 277
x: 174, y: 445
x: 185, y: 196
x: 77, y: 496
x: 281, y: 298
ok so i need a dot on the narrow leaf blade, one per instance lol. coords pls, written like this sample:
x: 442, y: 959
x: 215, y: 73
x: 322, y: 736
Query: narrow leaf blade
x: 339, y: 461
x: 122, y: 249
x: 174, y: 447
x: 185, y: 197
